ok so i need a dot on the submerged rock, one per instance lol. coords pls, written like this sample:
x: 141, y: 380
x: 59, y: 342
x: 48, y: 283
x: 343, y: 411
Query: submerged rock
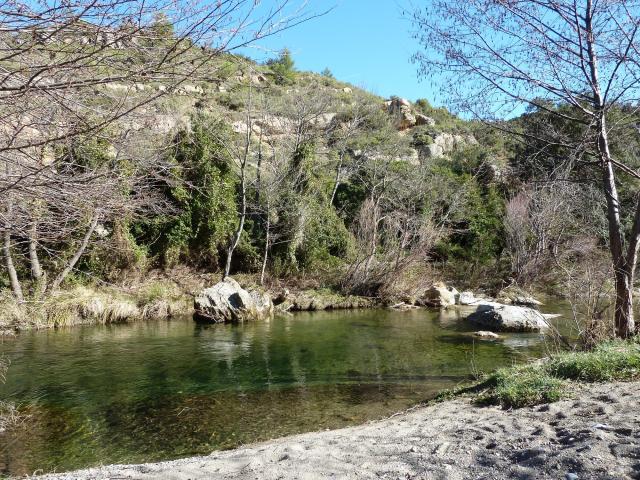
x: 508, y: 318
x: 227, y: 301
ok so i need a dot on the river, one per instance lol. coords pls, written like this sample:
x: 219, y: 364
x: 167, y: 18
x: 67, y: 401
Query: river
x: 160, y: 390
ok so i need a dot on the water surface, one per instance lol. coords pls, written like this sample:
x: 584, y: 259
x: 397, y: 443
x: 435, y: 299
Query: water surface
x: 166, y: 389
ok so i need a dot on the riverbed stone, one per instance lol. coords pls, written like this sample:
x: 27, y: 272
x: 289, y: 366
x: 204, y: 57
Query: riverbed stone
x: 508, y: 318
x: 228, y: 302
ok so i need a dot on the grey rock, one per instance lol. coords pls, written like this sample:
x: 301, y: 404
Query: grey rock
x: 439, y: 295
x: 227, y: 302
x: 508, y: 318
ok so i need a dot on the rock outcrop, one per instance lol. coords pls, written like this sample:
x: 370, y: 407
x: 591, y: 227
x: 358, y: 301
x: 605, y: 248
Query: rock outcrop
x: 314, y: 301
x: 401, y: 109
x: 467, y: 298
x: 227, y: 302
x: 424, y: 120
x: 445, y: 143
x: 508, y: 318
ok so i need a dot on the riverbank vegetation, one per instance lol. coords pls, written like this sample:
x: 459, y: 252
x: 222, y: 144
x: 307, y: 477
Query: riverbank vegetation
x: 292, y: 178
x: 555, y: 377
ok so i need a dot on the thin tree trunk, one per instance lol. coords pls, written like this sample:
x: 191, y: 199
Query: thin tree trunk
x: 624, y: 266
x: 37, y: 273
x: 336, y: 183
x: 81, y: 249
x: 237, y: 234
x: 36, y: 269
x: 243, y: 191
x: 267, y: 243
x: 11, y: 269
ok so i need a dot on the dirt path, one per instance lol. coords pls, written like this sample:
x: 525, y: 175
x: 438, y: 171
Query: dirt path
x: 595, y: 435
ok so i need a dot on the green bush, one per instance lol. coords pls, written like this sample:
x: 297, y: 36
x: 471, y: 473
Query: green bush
x: 203, y: 196
x: 282, y: 69
x: 327, y: 242
x: 422, y: 136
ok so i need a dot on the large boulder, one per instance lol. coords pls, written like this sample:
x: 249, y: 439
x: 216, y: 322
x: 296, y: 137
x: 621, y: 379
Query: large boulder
x: 439, y: 295
x: 508, y: 318
x: 227, y: 302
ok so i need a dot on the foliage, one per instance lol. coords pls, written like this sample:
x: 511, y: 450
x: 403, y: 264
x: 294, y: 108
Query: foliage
x: 474, y: 215
x: 327, y: 243
x: 282, y: 68
x: 327, y: 73
x: 204, y: 198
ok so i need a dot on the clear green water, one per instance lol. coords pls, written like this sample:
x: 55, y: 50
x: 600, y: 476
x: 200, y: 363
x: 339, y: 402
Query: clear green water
x: 167, y: 389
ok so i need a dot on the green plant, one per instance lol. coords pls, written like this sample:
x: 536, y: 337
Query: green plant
x: 282, y: 69
x: 203, y: 195
x: 522, y: 386
x: 608, y: 361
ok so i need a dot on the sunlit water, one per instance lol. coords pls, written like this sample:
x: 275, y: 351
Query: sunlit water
x: 165, y: 389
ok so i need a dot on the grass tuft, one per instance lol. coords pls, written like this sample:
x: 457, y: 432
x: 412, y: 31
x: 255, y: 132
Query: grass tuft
x: 549, y: 380
x: 522, y: 386
x: 609, y: 361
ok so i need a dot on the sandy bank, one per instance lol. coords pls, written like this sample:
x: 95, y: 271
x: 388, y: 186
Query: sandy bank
x: 595, y: 435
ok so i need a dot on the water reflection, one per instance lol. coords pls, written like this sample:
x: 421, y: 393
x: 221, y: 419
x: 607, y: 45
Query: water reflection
x: 160, y: 390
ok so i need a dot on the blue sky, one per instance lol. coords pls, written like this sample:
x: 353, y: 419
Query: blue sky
x: 364, y: 42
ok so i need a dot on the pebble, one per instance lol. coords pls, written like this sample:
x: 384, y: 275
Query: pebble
x: 602, y: 426
x: 571, y: 476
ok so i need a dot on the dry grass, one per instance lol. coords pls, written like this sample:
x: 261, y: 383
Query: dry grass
x: 87, y: 305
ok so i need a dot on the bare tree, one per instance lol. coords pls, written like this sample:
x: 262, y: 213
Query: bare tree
x: 502, y: 55
x: 82, y: 72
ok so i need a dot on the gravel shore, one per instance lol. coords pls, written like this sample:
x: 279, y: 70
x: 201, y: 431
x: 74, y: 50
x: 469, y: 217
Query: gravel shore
x: 594, y: 435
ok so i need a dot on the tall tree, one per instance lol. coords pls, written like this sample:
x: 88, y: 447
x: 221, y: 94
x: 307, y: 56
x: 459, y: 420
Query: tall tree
x: 498, y: 56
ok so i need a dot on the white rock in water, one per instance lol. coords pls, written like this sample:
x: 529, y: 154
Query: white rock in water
x: 227, y: 301
x: 467, y: 298
x: 440, y: 295
x: 508, y: 318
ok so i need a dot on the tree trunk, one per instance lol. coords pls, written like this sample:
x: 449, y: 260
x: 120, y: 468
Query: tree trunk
x: 624, y: 265
x: 337, y: 180
x: 623, y: 315
x: 11, y: 269
x: 236, y: 238
x: 243, y: 188
x: 36, y: 269
x: 83, y: 246
x: 267, y: 242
